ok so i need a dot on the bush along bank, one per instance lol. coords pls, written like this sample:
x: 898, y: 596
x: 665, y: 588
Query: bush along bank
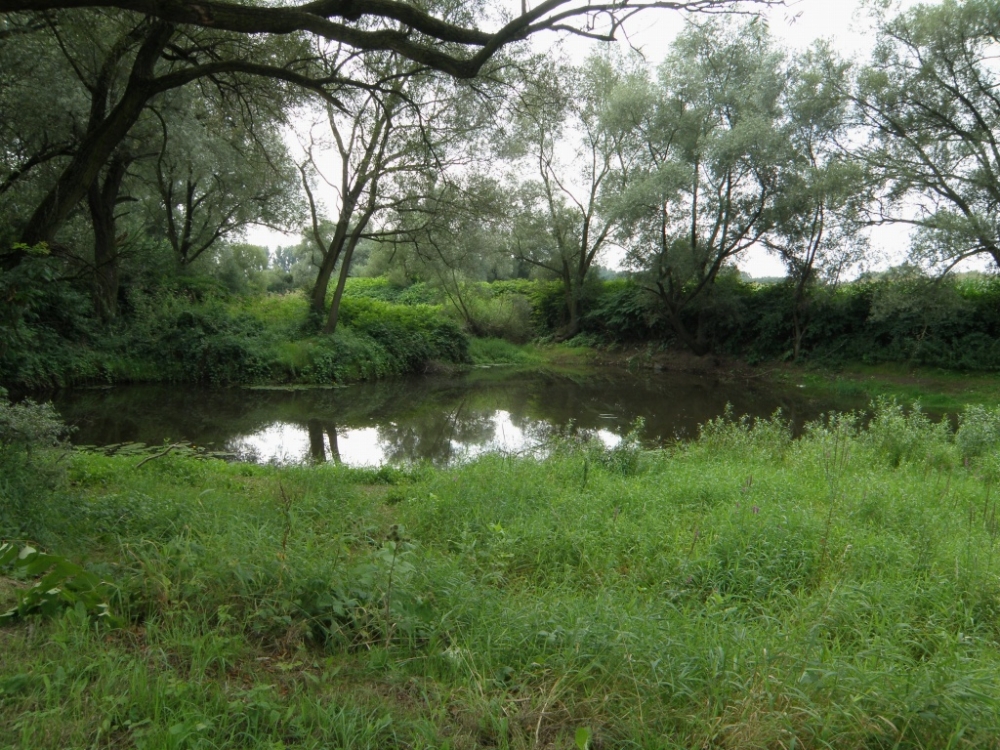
x: 743, y: 590
x: 899, y: 317
x: 196, y: 332
x: 219, y: 340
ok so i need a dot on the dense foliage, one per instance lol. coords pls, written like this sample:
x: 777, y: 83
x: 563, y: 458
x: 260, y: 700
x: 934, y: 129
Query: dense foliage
x: 901, y: 318
x: 197, y: 333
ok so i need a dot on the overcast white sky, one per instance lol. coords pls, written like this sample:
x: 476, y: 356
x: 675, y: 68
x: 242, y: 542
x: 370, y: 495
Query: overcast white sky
x: 845, y: 23
x: 796, y: 25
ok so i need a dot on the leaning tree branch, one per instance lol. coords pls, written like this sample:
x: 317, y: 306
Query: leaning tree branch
x: 422, y: 34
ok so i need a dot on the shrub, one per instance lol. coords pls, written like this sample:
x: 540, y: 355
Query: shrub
x: 382, y: 289
x: 623, y: 312
x: 898, y: 436
x: 45, y: 326
x: 203, y: 343
x: 498, y: 351
x: 728, y: 435
x: 978, y: 431
x: 411, y: 335
x: 31, y: 446
x: 488, y: 314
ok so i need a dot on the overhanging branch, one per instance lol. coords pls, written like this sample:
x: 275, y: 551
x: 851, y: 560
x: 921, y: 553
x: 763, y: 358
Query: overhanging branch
x: 456, y: 50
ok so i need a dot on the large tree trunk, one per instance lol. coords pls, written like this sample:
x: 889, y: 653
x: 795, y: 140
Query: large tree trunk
x: 345, y: 267
x: 98, y: 145
x: 102, y: 201
x: 330, y: 257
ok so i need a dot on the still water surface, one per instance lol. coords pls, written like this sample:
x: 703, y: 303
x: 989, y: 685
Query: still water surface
x: 431, y: 418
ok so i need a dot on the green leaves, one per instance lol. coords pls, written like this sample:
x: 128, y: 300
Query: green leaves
x: 928, y: 100
x: 60, y: 584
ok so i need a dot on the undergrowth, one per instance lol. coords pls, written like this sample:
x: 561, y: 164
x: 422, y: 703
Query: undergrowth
x: 169, y: 337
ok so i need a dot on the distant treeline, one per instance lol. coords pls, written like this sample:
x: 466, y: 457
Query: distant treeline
x: 901, y: 316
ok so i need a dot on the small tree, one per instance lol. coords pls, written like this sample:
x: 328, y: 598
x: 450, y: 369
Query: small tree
x: 567, y: 216
x: 394, y: 141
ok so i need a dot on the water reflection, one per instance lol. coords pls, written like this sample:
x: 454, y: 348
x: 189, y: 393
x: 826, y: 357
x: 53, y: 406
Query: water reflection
x: 436, y: 419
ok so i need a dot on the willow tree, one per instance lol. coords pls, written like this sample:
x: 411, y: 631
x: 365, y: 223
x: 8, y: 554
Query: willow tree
x: 390, y: 140
x: 119, y: 65
x: 58, y: 151
x: 714, y: 149
x: 165, y: 44
x: 929, y: 99
x: 819, y: 215
x: 216, y: 173
x: 457, y: 38
x: 578, y: 133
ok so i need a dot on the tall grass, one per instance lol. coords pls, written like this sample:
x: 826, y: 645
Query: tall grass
x: 744, y: 590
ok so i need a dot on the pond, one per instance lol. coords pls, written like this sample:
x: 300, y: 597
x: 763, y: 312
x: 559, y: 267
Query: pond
x: 441, y: 419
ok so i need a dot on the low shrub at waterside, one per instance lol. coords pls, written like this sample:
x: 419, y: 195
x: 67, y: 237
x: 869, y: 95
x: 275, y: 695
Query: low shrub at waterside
x: 33, y: 457
x: 901, y: 316
x: 746, y: 590
x: 413, y: 335
x: 237, y: 340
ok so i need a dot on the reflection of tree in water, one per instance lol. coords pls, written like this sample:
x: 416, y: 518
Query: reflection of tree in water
x: 428, y: 418
x: 434, y: 435
x: 319, y: 429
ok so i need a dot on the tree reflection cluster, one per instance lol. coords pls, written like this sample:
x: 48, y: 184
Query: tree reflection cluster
x: 439, y: 420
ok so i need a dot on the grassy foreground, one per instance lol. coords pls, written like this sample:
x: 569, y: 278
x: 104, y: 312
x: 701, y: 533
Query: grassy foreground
x: 742, y: 591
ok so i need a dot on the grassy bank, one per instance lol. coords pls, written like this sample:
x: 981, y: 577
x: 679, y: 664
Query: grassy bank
x: 745, y: 590
x: 937, y: 390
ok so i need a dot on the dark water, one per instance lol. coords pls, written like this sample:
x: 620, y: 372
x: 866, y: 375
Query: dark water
x: 434, y: 418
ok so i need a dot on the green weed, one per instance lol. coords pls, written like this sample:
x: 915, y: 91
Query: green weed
x: 838, y: 590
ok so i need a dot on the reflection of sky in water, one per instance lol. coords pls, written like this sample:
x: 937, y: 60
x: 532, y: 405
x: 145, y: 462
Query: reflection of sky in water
x: 289, y: 442
x: 280, y: 443
x: 509, y: 438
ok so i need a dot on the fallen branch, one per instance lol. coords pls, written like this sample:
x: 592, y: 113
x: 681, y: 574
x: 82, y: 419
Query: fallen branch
x: 159, y: 455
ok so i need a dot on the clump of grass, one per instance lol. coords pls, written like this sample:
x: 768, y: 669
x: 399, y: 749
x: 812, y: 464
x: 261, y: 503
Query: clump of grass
x: 743, y: 590
x: 494, y: 351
